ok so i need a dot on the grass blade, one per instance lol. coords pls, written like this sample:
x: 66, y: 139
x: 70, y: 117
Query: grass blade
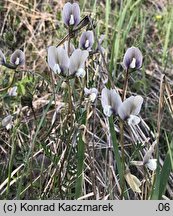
x: 162, y: 175
x: 80, y: 165
x: 166, y: 169
x: 116, y: 150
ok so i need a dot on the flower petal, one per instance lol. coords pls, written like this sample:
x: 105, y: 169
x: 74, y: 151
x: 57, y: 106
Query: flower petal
x: 93, y: 96
x: 18, y: 58
x: 7, y: 122
x: 58, y: 58
x: 81, y: 73
x: 63, y: 58
x: 137, y: 104
x: 52, y: 56
x: 131, y: 106
x: 71, y: 14
x: 76, y: 13
x: 152, y: 164
x: 87, y: 40
x: 2, y: 58
x: 107, y: 110
x: 105, y: 97
x: 133, y: 120
x: 133, y: 58
x: 149, y: 153
x: 77, y: 60
x: 92, y: 92
x: 115, y: 101
x: 110, y: 98
x: 124, y: 110
x: 66, y: 13
x: 12, y: 91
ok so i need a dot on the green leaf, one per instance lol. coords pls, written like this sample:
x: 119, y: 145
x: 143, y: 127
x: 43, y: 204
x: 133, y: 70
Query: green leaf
x: 116, y: 150
x: 166, y: 169
x: 80, y: 165
x: 155, y: 189
x: 21, y: 89
x: 162, y: 175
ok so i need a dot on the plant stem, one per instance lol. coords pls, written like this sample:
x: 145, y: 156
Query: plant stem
x: 13, y: 151
x: 125, y: 85
x: 91, y: 156
x: 68, y: 83
x: 122, y: 155
x: 122, y: 131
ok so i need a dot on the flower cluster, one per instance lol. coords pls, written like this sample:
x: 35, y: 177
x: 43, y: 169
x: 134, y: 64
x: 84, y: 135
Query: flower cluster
x: 70, y: 61
x: 127, y: 110
x: 16, y: 59
x: 65, y: 60
x: 61, y: 63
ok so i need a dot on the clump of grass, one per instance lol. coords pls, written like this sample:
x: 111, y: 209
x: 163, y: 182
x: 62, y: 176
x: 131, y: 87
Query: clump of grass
x: 61, y: 138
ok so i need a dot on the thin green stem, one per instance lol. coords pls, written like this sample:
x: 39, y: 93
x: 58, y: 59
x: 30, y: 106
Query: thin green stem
x: 125, y: 85
x: 122, y: 156
x: 13, y: 151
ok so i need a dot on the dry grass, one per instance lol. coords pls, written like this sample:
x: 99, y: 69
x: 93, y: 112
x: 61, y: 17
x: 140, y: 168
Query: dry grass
x: 40, y: 156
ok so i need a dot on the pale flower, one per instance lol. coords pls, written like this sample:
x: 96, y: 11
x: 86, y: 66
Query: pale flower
x: 77, y: 62
x: 147, y: 161
x: 12, y: 91
x: 2, y: 58
x: 60, y: 63
x: 58, y: 59
x: 133, y: 58
x: 87, y: 40
x: 151, y: 164
x: 71, y: 14
x: 18, y: 58
x: 92, y: 93
x: 7, y: 122
x: 110, y: 101
x: 130, y: 108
